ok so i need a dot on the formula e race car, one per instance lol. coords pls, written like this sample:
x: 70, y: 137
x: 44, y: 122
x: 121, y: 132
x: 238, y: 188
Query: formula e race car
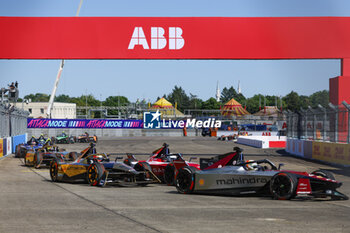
x: 172, y: 169
x: 31, y: 145
x: 42, y: 140
x: 158, y: 162
x: 97, y: 170
x: 45, y: 154
x: 63, y: 138
x: 258, y: 177
x: 86, y: 138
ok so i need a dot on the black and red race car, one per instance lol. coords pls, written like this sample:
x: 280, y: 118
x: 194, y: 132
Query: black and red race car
x: 258, y: 177
x: 159, y: 161
x: 172, y: 169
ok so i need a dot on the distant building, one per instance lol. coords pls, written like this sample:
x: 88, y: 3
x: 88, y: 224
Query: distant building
x: 59, y: 110
x: 218, y: 92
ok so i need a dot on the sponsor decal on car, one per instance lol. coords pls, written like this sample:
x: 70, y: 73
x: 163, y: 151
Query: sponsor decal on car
x: 241, y: 180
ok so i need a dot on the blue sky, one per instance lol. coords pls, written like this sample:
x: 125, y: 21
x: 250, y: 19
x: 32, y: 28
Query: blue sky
x: 152, y: 78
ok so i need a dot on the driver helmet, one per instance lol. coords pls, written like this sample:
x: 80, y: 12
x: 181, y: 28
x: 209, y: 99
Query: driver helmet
x: 98, y: 157
x: 33, y: 140
x: 251, y: 166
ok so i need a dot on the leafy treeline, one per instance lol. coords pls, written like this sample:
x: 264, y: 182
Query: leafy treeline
x: 291, y: 101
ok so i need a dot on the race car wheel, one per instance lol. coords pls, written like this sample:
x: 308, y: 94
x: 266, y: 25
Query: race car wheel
x: 95, y: 139
x: 324, y: 174
x: 71, y: 140
x: 95, y: 174
x: 18, y: 151
x: 142, y: 176
x: 185, y: 180
x: 54, y: 170
x: 283, y: 186
x: 22, y: 152
x: 38, y: 157
x: 25, y: 161
x: 169, y: 173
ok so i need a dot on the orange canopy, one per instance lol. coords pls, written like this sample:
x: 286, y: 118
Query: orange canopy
x: 162, y: 103
x: 269, y: 111
x: 233, y: 108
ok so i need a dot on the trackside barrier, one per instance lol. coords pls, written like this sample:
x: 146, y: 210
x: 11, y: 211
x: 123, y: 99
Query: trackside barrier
x: 5, y: 146
x: 331, y: 152
x: 18, y: 140
x: 263, y: 141
x: 8, y: 144
x: 338, y: 153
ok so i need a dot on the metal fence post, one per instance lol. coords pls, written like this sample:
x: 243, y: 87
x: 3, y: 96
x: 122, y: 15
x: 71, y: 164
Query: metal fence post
x: 335, y: 109
x: 324, y: 120
x: 347, y: 106
x: 313, y: 122
x: 303, y: 114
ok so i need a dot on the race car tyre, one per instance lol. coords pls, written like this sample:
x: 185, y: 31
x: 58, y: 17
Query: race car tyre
x: 22, y: 152
x: 185, y: 180
x: 95, y: 173
x: 18, y: 151
x: 95, y: 139
x: 283, y: 186
x: 324, y: 174
x: 54, y: 170
x: 71, y: 140
x: 169, y: 173
x: 137, y: 167
x: 38, y: 157
x: 142, y: 176
x: 25, y: 161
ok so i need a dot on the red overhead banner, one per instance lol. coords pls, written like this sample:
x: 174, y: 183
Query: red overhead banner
x: 174, y: 37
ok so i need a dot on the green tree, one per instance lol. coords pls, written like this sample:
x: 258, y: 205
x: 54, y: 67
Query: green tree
x: 179, y: 96
x: 63, y: 98
x: 211, y: 103
x: 304, y: 101
x: 195, y: 102
x: 320, y: 97
x: 88, y: 100
x: 229, y: 93
x: 292, y: 101
x: 115, y: 101
x: 253, y: 103
x: 38, y: 97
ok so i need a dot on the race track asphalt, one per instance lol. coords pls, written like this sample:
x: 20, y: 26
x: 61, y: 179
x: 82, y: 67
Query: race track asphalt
x: 30, y: 202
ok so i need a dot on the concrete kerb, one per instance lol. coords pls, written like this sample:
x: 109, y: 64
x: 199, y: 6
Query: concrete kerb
x: 4, y: 157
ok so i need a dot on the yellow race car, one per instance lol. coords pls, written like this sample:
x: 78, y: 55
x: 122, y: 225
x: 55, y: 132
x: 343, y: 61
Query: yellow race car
x: 43, y: 156
x: 97, y: 170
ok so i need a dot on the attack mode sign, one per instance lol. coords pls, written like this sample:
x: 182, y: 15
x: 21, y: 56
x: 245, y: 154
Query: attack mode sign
x: 83, y: 123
